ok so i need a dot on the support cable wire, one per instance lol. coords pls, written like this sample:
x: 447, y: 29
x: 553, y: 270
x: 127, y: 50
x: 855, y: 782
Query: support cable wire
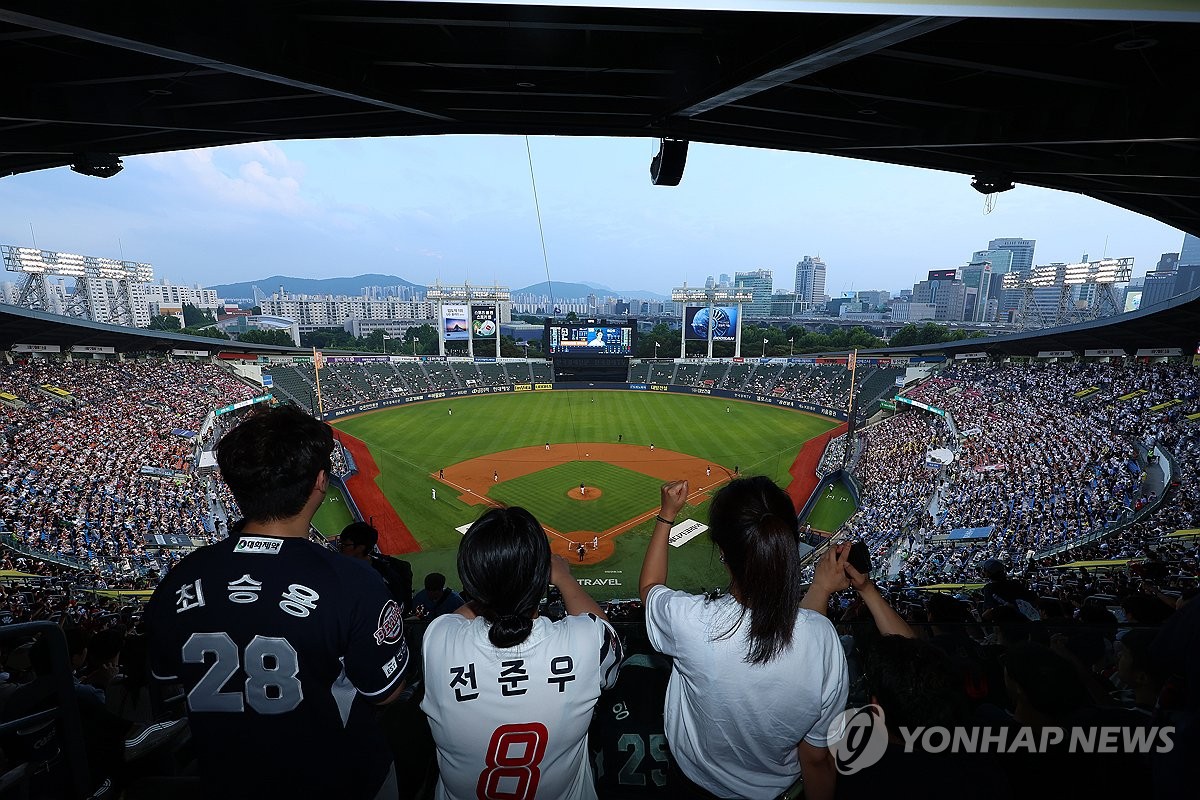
x: 549, y: 284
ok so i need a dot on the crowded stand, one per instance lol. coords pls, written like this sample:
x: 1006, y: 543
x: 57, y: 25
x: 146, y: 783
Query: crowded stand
x: 1076, y: 463
x: 98, y: 470
x: 1044, y: 455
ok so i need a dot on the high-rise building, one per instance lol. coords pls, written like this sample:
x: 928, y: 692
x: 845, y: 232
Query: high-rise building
x: 978, y: 276
x: 724, y: 281
x: 1001, y: 260
x: 710, y: 282
x: 167, y: 294
x: 810, y: 279
x: 1022, y: 250
x: 1190, y: 254
x: 760, y: 283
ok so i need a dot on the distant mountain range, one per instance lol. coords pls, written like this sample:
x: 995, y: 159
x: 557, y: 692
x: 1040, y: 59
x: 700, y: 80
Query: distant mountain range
x: 351, y: 287
x: 568, y: 290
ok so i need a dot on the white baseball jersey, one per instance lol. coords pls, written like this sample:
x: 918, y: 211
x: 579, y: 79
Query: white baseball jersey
x: 511, y: 724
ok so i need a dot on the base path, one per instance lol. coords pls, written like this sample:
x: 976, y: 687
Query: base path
x: 473, y: 479
x: 394, y: 536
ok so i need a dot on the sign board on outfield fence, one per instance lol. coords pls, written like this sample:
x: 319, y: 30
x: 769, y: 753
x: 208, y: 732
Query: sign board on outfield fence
x: 1159, y: 351
x: 1056, y: 354
x: 1104, y: 353
x: 91, y: 348
x: 179, y: 352
x: 684, y: 532
x: 960, y: 356
x: 36, y: 348
x: 887, y: 405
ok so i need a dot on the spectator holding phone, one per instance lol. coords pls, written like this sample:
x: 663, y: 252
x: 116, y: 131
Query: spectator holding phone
x: 836, y: 571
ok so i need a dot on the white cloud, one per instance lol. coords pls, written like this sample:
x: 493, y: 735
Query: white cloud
x: 257, y: 176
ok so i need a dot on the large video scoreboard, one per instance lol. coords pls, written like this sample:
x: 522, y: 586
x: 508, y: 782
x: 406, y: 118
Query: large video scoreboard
x: 589, y: 338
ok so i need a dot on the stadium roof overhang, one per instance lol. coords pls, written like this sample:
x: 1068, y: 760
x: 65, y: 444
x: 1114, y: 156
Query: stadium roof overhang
x: 26, y: 326
x: 1097, y: 101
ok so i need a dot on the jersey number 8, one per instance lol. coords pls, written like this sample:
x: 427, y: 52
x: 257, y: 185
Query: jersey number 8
x: 271, y: 666
x: 519, y: 773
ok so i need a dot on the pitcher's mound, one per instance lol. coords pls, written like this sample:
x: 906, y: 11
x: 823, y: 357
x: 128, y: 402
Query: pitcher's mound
x: 591, y: 494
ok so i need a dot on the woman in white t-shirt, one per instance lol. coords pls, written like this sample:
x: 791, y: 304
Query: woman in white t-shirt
x: 510, y: 694
x: 758, y: 680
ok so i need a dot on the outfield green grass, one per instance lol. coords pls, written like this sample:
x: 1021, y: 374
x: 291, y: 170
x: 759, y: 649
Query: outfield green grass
x: 333, y: 514
x: 409, y: 443
x: 833, y: 509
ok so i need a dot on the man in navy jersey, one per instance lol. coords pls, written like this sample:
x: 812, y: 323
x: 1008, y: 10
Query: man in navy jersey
x: 281, y: 645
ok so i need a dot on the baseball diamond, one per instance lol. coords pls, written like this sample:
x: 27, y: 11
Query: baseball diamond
x: 492, y: 451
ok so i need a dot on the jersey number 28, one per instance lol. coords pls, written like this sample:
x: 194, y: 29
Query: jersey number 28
x: 271, y: 666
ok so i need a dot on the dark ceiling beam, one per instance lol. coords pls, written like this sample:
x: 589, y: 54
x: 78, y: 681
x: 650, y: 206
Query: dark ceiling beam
x: 845, y: 119
x: 1053, y: 143
x: 151, y: 128
x: 892, y: 32
x: 590, y: 69
x: 83, y: 33
x: 908, y: 98
x: 998, y: 69
x: 154, y: 76
x: 521, y: 24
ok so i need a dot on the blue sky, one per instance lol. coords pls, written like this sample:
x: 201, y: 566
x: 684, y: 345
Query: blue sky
x: 461, y: 208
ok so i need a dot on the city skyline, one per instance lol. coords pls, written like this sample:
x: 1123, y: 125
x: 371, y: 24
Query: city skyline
x: 461, y: 208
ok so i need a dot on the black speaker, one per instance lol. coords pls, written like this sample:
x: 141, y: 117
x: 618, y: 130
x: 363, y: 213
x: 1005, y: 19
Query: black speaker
x: 666, y: 168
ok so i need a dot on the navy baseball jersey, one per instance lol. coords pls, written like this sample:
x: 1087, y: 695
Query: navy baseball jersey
x: 277, y: 642
x: 630, y: 756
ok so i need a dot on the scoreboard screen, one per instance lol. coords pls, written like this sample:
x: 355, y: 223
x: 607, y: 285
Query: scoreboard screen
x: 590, y: 339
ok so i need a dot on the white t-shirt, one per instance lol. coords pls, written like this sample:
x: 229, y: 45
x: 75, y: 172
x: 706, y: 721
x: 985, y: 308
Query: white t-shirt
x: 513, y: 722
x: 732, y: 726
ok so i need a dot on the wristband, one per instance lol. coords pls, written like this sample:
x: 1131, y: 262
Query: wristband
x: 659, y: 517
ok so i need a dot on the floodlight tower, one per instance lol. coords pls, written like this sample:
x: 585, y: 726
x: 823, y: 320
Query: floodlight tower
x: 1030, y: 314
x: 1102, y: 300
x: 95, y: 278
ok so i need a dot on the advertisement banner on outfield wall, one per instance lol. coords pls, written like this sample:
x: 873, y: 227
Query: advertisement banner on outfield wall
x: 724, y: 323
x: 483, y: 322
x: 36, y: 348
x: 455, y: 324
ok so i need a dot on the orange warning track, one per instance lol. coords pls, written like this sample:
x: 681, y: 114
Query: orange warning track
x: 394, y: 536
x: 474, y: 478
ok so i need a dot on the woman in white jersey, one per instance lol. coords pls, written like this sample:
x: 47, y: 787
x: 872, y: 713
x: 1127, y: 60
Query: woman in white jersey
x: 758, y: 681
x: 510, y: 694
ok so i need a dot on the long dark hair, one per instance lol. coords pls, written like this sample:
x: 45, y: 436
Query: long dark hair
x: 754, y: 524
x: 504, y: 563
